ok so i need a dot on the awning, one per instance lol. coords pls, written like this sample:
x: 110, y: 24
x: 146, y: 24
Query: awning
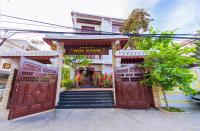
x: 86, y: 40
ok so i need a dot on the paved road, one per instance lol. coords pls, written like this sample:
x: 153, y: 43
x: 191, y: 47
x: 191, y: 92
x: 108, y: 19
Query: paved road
x: 105, y: 120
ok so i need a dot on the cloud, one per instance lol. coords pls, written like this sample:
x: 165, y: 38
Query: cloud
x: 184, y: 16
x: 146, y: 4
x: 169, y: 14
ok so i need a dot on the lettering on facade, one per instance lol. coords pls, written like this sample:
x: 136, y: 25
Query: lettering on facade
x: 87, y: 51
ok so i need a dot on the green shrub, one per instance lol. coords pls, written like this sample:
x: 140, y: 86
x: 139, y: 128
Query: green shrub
x: 68, y: 84
x: 173, y: 109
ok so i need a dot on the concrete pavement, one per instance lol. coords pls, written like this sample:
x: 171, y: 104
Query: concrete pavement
x: 105, y: 120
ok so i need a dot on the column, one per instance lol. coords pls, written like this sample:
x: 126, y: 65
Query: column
x: 7, y: 91
x: 156, y: 96
x: 60, y: 49
x: 113, y: 70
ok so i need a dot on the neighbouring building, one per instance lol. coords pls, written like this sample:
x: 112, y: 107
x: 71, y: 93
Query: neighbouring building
x: 5, y: 64
x: 12, y: 53
x: 14, y: 46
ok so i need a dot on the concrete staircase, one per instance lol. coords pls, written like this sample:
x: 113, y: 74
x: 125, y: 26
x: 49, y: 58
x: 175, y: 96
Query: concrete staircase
x: 85, y: 99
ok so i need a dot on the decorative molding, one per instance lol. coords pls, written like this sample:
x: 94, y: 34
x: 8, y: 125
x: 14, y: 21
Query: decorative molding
x: 127, y: 53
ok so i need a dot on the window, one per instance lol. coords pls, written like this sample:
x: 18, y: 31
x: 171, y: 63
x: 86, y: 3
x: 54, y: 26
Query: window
x: 87, y: 28
x: 115, y: 28
x: 88, y: 21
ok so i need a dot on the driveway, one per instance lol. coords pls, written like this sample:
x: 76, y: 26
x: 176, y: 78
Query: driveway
x: 105, y: 120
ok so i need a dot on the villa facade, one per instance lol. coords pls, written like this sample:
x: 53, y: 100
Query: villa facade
x: 83, y: 22
x: 34, y: 77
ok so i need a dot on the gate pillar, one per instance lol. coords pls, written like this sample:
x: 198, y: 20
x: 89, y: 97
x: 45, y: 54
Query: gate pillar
x: 59, y: 48
x: 156, y: 96
x: 6, y: 94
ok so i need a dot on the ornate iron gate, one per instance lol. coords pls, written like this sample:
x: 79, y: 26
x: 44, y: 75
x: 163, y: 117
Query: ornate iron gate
x: 130, y: 93
x: 34, y: 89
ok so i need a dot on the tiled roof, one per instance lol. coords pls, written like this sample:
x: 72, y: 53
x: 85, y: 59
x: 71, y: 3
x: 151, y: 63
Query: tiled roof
x: 50, y: 36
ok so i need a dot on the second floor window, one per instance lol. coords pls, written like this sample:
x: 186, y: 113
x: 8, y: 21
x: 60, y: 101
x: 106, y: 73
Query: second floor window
x: 87, y: 28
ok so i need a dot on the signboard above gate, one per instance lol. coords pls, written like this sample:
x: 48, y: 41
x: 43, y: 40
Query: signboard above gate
x: 87, y: 51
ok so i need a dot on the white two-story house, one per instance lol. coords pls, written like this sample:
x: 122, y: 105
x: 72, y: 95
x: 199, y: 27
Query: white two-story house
x: 89, y: 22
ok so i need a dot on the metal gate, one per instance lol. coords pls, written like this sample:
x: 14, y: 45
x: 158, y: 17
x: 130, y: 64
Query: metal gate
x: 34, y: 89
x: 130, y: 93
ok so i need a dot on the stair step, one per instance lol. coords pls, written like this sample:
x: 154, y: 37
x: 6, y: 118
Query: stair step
x: 86, y: 92
x: 85, y: 99
x: 84, y: 102
x: 85, y: 106
x: 91, y: 95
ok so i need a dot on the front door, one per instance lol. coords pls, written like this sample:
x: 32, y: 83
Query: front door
x: 130, y: 93
x: 87, y: 80
x: 34, y: 89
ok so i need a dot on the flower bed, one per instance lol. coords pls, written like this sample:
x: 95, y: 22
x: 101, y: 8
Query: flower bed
x: 102, y: 80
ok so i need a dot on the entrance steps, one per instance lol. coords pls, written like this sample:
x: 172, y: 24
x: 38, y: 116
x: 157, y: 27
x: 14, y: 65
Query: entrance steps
x: 86, y: 99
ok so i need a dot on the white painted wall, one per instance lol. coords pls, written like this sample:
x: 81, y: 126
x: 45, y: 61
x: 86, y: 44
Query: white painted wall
x: 107, y: 59
x: 106, y: 25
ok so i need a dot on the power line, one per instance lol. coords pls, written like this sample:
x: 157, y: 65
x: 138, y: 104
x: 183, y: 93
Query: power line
x: 47, y: 23
x: 41, y: 22
x: 62, y: 26
x: 96, y: 33
x: 11, y: 22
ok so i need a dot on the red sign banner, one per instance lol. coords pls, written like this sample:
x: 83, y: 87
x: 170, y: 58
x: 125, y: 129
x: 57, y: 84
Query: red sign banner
x: 87, y: 51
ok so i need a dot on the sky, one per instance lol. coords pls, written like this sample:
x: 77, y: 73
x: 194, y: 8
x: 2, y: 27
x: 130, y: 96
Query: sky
x: 182, y: 15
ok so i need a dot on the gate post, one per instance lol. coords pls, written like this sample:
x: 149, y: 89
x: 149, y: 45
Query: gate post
x: 60, y: 64
x: 7, y: 91
x: 61, y: 50
x: 156, y: 96
x: 4, y: 103
x: 113, y: 69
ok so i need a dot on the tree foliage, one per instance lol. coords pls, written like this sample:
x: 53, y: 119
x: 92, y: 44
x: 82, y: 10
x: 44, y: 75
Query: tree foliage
x: 65, y: 73
x: 76, y: 61
x: 167, y: 63
x: 197, y: 47
x: 73, y: 62
x: 197, y: 51
x: 66, y: 77
x: 138, y: 20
